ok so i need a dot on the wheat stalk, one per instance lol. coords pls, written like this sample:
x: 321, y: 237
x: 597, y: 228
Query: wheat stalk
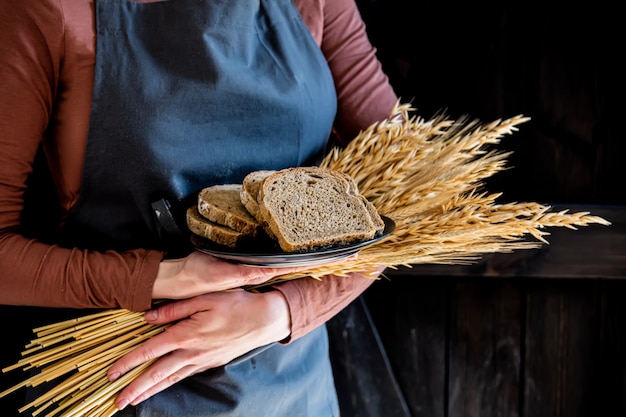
x: 426, y: 175
x: 82, y: 350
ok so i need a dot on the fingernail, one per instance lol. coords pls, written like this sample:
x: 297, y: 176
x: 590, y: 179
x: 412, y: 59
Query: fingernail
x: 114, y: 376
x: 151, y: 315
x: 121, y: 404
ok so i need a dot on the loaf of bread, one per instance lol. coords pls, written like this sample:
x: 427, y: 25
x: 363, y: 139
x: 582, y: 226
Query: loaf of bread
x: 309, y: 208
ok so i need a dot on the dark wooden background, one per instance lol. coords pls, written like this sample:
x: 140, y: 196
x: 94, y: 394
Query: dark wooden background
x: 534, y: 333
x: 537, y: 333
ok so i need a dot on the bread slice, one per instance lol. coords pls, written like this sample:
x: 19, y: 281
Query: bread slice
x: 222, y: 204
x: 309, y: 208
x: 252, y: 183
x: 354, y: 189
x: 205, y: 228
x: 250, y: 191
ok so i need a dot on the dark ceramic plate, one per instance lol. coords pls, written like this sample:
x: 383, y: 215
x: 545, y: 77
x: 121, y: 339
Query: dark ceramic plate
x: 266, y: 253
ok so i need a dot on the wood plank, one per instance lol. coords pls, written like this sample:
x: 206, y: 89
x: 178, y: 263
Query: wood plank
x: 365, y: 383
x: 562, y: 348
x: 411, y: 316
x: 610, y: 388
x: 571, y: 362
x: 485, y: 349
x: 576, y: 333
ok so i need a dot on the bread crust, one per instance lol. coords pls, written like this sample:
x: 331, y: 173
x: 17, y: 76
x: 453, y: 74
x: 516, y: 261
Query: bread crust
x: 250, y: 191
x: 205, y: 228
x: 308, y: 208
x: 222, y: 204
x: 249, y: 195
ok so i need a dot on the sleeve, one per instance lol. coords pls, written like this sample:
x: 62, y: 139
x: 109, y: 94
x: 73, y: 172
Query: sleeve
x: 313, y: 302
x: 34, y: 273
x: 364, y: 94
x: 364, y: 97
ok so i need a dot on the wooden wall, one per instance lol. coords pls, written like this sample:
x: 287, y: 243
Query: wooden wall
x: 533, y: 333
x: 561, y: 67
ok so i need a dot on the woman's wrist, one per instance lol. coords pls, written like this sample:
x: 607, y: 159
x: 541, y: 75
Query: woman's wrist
x: 164, y: 281
x: 279, y: 315
x: 170, y: 283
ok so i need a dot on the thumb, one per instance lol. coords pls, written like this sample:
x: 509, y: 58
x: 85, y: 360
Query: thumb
x: 169, y: 312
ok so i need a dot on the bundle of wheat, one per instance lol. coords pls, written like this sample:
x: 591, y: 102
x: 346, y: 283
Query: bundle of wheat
x: 424, y: 174
x: 82, y: 348
x: 427, y: 176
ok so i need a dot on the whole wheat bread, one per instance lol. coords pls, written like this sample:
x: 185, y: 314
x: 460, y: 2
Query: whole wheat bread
x: 201, y: 226
x: 250, y: 190
x: 222, y: 204
x: 311, y: 207
x: 375, y: 216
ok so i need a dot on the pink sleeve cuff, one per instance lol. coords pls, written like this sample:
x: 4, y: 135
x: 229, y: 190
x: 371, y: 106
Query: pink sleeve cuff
x: 313, y: 302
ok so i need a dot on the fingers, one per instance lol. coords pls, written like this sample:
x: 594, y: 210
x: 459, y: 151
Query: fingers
x: 181, y: 309
x: 172, y: 311
x: 201, y: 273
x: 161, y: 375
x: 215, y: 328
x: 154, y: 347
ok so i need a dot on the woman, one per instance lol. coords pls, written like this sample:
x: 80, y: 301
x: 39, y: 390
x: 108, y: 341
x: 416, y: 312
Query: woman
x: 139, y: 105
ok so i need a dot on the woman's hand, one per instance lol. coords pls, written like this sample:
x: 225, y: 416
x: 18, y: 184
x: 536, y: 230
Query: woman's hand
x: 199, y: 273
x: 213, y: 330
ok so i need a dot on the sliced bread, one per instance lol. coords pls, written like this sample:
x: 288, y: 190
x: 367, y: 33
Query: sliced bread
x: 217, y: 233
x: 354, y: 189
x: 250, y: 191
x: 311, y: 207
x: 222, y: 204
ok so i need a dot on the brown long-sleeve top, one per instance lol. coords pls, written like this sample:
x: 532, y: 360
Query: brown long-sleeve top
x: 47, y: 55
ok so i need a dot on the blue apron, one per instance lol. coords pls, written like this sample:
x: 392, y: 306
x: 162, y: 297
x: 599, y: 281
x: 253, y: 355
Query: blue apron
x: 190, y: 93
